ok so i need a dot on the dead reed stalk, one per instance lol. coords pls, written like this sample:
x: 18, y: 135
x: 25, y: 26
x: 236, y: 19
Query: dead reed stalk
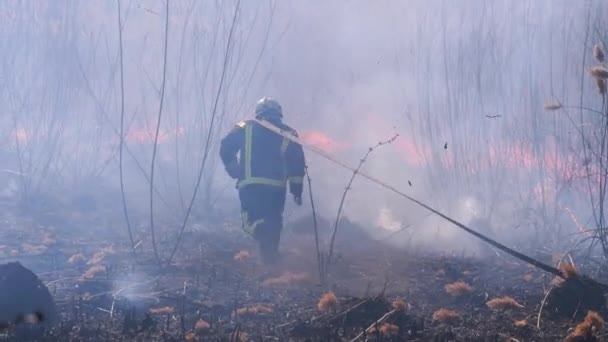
x: 342, y: 201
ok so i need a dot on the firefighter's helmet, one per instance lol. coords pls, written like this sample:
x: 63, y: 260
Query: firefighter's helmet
x: 268, y: 107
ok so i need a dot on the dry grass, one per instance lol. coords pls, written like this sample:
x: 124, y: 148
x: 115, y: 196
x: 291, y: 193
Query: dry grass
x: 97, y: 258
x: 459, y: 288
x: 528, y: 277
x: 599, y: 71
x: 388, y: 329
x: 399, y: 305
x: 242, y: 256
x: 77, y: 259
x: 598, y: 53
x: 253, y: 310
x: 165, y: 310
x: 503, y: 303
x: 568, y: 270
x: 552, y: 106
x: 242, y: 337
x: 521, y: 324
x: 201, y: 325
x: 48, y: 239
x: 446, y: 316
x: 34, y: 249
x: 93, y: 272
x: 327, y: 302
x: 286, y: 278
x: 587, y: 329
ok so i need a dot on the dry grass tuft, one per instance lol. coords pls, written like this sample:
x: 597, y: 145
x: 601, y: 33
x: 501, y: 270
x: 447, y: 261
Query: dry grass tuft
x: 201, y: 325
x: 97, y: 258
x: 527, y: 277
x: 190, y: 336
x: 77, y: 259
x: 94, y: 271
x: 327, y: 302
x: 400, y: 305
x: 286, y: 278
x: 552, y: 106
x: 446, y: 316
x: 34, y: 249
x: 587, y: 329
x: 388, y: 329
x: 599, y: 71
x: 242, y: 337
x: 568, y: 270
x: 595, y: 319
x: 48, y: 239
x: 459, y: 288
x: 254, y: 310
x: 521, y: 324
x: 165, y: 310
x: 242, y: 256
x: 598, y: 53
x: 601, y: 86
x: 503, y: 303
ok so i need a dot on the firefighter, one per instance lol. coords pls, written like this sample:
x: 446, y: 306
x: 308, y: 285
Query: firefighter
x: 267, y: 163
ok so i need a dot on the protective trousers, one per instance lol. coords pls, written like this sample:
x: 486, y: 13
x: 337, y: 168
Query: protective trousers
x: 262, y: 209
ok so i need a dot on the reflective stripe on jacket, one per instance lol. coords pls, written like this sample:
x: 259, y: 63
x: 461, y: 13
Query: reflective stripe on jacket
x: 264, y: 157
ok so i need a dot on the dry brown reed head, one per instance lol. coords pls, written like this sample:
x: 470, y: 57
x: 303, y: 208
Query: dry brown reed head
x: 568, y: 270
x: 598, y: 53
x: 400, y: 305
x: 77, y: 259
x: 599, y: 71
x: 503, y: 303
x: 165, y: 310
x: 601, y: 85
x: 97, y: 257
x: 201, y: 325
x: 388, y: 329
x: 254, y: 310
x: 328, y: 301
x: 459, y: 288
x: 190, y: 336
x: 446, y: 316
x: 587, y: 329
x: 286, y: 278
x: 94, y: 271
x: 552, y: 106
x: 33, y: 249
x: 242, y: 336
x: 242, y: 256
x: 521, y: 323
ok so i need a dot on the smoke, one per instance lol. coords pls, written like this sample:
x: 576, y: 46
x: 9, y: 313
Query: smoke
x: 462, y: 83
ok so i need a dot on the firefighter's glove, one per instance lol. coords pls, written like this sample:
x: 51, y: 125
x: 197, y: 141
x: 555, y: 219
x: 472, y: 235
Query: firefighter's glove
x: 297, y: 199
x: 233, y: 170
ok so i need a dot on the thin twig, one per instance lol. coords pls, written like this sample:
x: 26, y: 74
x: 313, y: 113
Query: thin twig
x: 209, y: 132
x: 316, y: 230
x: 122, y: 134
x: 374, y: 325
x: 155, y: 146
x: 348, y: 187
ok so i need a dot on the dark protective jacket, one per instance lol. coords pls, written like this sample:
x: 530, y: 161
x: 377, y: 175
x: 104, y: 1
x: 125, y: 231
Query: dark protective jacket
x: 265, y: 157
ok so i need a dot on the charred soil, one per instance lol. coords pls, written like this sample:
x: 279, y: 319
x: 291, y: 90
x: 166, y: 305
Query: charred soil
x: 215, y: 290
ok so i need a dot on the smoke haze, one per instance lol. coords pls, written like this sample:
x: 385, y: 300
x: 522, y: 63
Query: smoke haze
x: 462, y: 83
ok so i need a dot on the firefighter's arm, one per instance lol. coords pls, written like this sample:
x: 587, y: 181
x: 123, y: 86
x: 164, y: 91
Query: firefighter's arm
x: 296, y: 168
x: 229, y: 149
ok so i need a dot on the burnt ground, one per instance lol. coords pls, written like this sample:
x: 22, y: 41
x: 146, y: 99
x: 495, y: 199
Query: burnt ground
x: 216, y: 291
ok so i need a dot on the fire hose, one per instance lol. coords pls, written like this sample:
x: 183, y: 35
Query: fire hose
x: 536, y: 263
